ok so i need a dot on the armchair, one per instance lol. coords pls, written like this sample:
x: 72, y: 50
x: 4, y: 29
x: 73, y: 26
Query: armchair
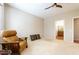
x: 11, y: 36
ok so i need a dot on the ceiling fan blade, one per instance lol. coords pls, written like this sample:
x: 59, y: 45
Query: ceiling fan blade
x: 51, y: 6
x: 48, y: 7
x: 59, y: 6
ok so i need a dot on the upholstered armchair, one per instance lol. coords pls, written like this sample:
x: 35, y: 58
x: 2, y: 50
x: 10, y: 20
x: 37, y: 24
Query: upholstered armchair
x: 11, y: 36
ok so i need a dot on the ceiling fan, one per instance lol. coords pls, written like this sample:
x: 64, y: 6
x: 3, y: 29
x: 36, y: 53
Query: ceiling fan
x: 56, y: 5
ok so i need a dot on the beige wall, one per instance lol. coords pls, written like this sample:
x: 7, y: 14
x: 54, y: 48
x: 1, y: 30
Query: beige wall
x: 25, y: 23
x: 49, y: 25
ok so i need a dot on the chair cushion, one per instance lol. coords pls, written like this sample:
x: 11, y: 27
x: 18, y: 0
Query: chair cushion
x: 11, y: 39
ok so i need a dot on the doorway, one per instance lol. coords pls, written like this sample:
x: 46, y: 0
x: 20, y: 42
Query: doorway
x: 76, y: 30
x: 59, y: 29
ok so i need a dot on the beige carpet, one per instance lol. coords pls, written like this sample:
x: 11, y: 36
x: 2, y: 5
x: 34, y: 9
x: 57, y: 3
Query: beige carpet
x: 44, y: 47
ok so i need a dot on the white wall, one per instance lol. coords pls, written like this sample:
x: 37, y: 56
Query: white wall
x: 1, y: 22
x: 25, y: 23
x: 1, y: 17
x: 49, y: 25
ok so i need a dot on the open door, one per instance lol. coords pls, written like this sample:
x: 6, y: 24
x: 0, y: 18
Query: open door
x: 60, y: 29
x: 76, y: 30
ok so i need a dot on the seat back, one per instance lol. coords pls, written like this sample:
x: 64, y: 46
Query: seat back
x: 10, y: 36
x: 9, y: 33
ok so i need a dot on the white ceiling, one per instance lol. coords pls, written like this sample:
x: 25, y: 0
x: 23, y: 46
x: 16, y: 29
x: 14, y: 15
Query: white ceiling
x: 38, y: 9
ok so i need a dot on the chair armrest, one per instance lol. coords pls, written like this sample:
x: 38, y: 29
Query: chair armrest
x: 24, y: 38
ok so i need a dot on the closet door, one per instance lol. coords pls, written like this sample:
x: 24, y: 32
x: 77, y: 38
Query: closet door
x: 76, y: 29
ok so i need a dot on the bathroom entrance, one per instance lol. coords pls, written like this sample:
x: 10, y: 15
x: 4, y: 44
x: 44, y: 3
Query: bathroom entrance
x: 59, y: 29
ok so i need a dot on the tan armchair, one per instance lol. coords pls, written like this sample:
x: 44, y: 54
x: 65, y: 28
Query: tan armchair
x: 10, y: 36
